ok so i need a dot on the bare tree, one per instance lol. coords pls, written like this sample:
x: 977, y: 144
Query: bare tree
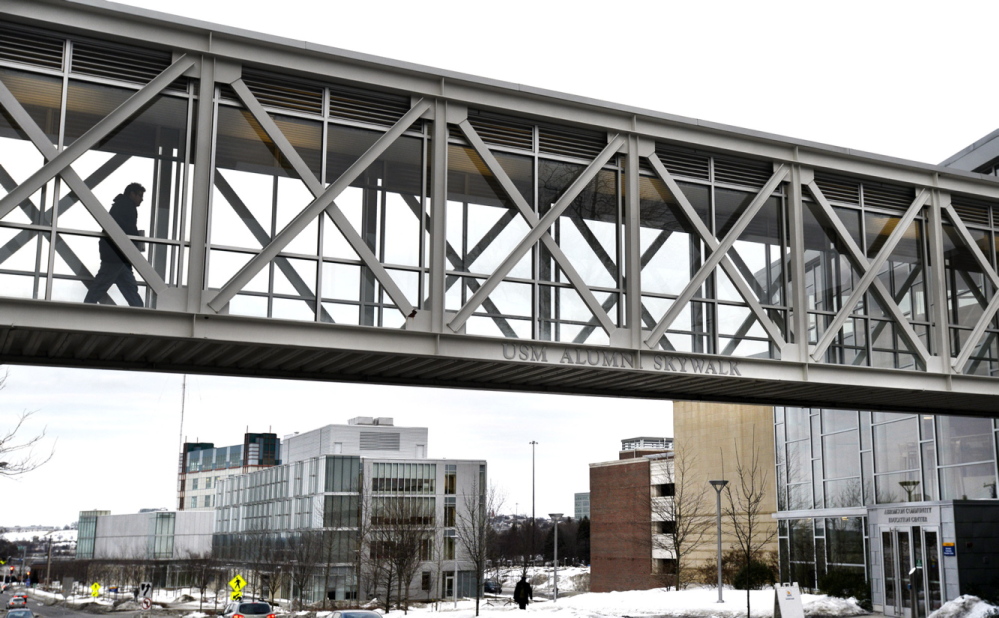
x: 204, y: 569
x: 680, y: 511
x: 306, y: 554
x: 745, y: 509
x: 472, y: 529
x: 400, y: 537
x: 17, y: 453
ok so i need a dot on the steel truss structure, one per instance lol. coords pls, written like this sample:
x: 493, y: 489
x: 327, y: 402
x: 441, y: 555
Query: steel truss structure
x: 320, y: 214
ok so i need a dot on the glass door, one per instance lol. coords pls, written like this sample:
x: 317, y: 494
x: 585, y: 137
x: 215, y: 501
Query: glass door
x: 448, y: 585
x: 934, y: 593
x: 897, y: 561
x: 889, y: 572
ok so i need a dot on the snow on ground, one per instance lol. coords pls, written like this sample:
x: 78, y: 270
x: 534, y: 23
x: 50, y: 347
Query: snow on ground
x: 700, y: 602
x: 692, y: 603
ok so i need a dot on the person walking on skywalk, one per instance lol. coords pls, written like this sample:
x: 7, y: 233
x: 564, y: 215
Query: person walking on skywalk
x: 115, y: 268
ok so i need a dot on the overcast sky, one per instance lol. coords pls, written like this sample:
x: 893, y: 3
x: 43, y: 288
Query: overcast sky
x: 901, y: 79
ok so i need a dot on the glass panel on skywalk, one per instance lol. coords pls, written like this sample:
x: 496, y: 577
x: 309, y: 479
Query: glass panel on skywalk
x: 565, y: 287
x: 257, y: 192
x: 841, y: 242
x: 64, y: 240
x: 483, y: 227
x: 587, y: 234
x: 324, y: 272
x: 969, y: 289
x: 721, y: 193
x: 387, y: 207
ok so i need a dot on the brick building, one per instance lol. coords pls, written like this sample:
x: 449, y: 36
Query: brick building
x: 627, y: 548
x: 620, y: 539
x: 621, y: 513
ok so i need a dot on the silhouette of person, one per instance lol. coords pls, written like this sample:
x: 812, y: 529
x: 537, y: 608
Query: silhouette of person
x: 115, y: 269
x: 523, y: 593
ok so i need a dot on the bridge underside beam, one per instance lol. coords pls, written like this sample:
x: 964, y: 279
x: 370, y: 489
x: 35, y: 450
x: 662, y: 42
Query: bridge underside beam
x: 217, y: 345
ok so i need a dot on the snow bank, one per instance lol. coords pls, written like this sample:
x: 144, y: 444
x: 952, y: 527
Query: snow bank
x: 966, y: 606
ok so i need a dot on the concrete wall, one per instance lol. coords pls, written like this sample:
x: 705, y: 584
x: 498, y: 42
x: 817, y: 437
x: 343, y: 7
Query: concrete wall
x: 714, y: 437
x: 976, y: 526
x: 131, y: 536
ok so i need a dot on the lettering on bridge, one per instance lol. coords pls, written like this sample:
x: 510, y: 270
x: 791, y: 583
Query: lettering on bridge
x: 540, y: 353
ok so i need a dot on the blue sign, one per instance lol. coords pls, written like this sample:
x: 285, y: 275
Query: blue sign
x: 949, y: 549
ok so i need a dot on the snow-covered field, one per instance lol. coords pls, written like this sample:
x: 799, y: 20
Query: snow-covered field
x: 700, y: 602
x: 691, y: 603
x: 16, y: 535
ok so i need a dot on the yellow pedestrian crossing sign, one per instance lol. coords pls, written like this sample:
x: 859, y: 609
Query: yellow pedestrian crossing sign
x: 237, y: 583
x: 95, y: 590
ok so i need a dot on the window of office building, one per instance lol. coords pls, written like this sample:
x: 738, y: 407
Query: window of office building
x: 406, y: 510
x: 449, y: 511
x: 163, y: 536
x: 449, y: 544
x: 343, y: 474
x: 450, y: 478
x: 403, y: 478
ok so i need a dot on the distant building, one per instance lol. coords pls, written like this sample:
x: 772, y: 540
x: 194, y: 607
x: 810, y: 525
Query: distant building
x: 328, y: 499
x: 338, y: 480
x: 582, y: 505
x: 644, y: 445
x: 202, y: 465
x: 364, y: 436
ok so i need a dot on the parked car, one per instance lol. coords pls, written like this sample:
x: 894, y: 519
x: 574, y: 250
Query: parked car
x: 249, y: 609
x: 491, y: 586
x: 355, y: 613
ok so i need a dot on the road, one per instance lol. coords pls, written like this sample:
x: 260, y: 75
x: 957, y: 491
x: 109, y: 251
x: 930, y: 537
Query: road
x: 41, y: 609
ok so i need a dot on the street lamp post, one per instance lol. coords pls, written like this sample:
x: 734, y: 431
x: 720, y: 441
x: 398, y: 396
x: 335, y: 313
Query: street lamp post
x: 533, y: 534
x: 719, y: 486
x: 555, y: 518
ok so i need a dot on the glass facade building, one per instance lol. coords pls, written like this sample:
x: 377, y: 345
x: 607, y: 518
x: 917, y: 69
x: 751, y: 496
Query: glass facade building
x: 879, y: 493
x: 203, y: 466
x: 342, y: 513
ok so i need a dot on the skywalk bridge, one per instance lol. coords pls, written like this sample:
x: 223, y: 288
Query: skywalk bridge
x: 320, y: 214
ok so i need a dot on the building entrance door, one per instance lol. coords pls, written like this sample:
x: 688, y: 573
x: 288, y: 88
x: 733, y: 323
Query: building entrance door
x: 911, y: 571
x: 448, y: 585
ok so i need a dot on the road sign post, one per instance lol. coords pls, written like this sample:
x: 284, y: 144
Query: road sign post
x: 237, y: 584
x: 95, y: 590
